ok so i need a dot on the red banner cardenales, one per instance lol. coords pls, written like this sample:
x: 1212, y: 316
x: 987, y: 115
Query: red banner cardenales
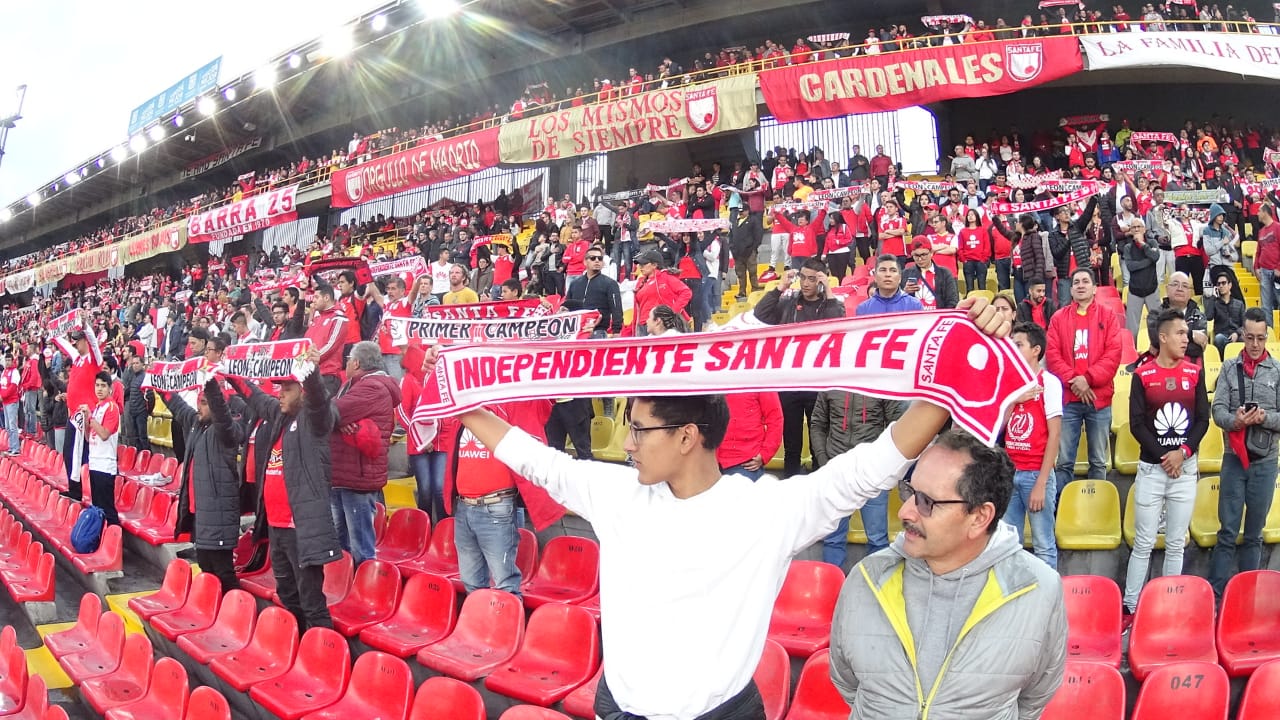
x: 421, y: 165
x: 879, y: 83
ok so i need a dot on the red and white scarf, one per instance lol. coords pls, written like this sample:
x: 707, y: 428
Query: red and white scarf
x: 937, y: 356
x: 562, y: 326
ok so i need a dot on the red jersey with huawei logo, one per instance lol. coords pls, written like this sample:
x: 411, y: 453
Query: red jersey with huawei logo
x: 1169, y: 395
x: 1026, y: 436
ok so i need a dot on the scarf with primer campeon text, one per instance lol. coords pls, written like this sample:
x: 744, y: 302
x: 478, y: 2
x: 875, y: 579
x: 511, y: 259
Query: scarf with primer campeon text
x: 936, y: 356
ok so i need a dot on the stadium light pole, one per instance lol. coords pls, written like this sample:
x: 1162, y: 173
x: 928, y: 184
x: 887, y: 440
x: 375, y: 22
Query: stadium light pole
x: 7, y: 123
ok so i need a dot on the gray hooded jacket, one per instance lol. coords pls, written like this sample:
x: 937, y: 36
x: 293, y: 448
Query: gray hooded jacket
x: 987, y: 641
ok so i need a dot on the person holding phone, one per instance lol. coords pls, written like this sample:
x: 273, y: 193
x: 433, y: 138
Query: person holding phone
x: 1246, y: 405
x: 801, y: 296
x: 933, y: 285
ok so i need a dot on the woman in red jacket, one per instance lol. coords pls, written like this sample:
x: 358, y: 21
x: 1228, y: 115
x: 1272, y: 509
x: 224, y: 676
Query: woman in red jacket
x: 654, y: 287
x: 974, y: 254
x: 802, y: 242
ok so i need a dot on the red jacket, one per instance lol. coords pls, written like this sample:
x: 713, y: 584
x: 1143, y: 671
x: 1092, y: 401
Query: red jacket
x: 574, y: 258
x: 530, y: 416
x: 328, y: 332
x: 10, y: 382
x: 803, y: 241
x: 755, y: 428
x: 1104, y: 343
x: 31, y: 375
x: 662, y: 289
x: 373, y: 397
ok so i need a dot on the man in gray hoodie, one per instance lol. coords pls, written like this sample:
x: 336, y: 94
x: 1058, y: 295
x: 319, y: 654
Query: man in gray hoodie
x: 954, y: 620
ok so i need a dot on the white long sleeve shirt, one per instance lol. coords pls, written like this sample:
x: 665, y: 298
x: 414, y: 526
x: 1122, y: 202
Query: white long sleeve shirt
x: 687, y: 586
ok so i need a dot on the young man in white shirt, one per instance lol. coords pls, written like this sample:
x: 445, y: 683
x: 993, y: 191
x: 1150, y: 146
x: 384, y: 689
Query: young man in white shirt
x: 691, y: 561
x: 440, y: 274
x: 102, y: 432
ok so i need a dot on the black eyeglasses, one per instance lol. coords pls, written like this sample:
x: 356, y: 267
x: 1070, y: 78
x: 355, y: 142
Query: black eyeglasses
x: 924, y: 503
x: 637, y: 429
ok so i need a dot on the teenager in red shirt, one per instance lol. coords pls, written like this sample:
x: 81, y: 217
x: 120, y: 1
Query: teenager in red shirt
x: 974, y: 253
x: 892, y: 232
x: 802, y: 236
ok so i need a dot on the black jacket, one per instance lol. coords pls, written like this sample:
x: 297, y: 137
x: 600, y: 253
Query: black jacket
x: 772, y: 310
x: 307, y: 468
x: 945, y: 290
x: 136, y: 400
x: 1196, y: 320
x: 211, y: 471
x: 597, y: 293
x: 1025, y: 307
x: 1073, y: 242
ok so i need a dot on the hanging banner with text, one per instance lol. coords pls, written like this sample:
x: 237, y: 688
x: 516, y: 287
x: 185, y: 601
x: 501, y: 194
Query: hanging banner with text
x: 1235, y: 54
x: 878, y: 83
x: 505, y: 310
x: 938, y: 356
x: 274, y: 207
x: 562, y: 326
x: 142, y: 246
x: 677, y: 113
x: 419, y: 166
x: 272, y: 361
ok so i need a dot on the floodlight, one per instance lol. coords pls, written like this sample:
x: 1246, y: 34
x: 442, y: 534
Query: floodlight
x: 206, y: 106
x: 71, y: 178
x: 436, y: 9
x: 137, y: 143
x: 295, y: 61
x: 229, y: 94
x: 156, y: 133
x: 378, y: 23
x: 5, y: 215
x: 264, y: 78
x: 338, y: 43
x: 34, y: 199
x: 119, y: 154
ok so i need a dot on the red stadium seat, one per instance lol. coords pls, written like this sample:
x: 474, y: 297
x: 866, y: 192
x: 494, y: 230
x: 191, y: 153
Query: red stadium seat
x: 1249, y: 622
x: 527, y: 553
x: 269, y: 653
x: 406, y: 537
x: 13, y: 680
x: 441, y: 557
x: 592, y: 605
x: 801, y: 620
x: 489, y: 630
x: 33, y: 582
x: 1173, y: 624
x: 1197, y: 690
x: 230, y: 631
x: 338, y: 576
x: 197, y: 613
x: 128, y: 683
x: 531, y: 712
x: 372, y: 599
x: 561, y: 651
x: 816, y: 697
x: 1089, y: 690
x: 1093, y: 619
x: 1261, y: 699
x: 381, y: 687
x: 140, y: 461
x: 568, y: 572
x: 166, y: 696
x: 82, y: 636
x: 427, y: 612
x: 773, y: 678
x: 317, y: 679
x: 206, y: 703
x: 36, y: 704
x: 126, y: 456
x: 442, y: 698
x: 136, y: 510
x: 108, y: 557
x: 169, y: 468
x: 171, y: 595
x: 582, y: 701
x: 103, y: 657
x: 260, y: 583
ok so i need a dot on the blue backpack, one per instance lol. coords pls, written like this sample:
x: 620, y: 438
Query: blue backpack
x: 86, y: 534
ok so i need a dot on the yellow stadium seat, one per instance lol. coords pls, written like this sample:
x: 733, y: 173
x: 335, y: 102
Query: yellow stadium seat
x: 1204, y: 515
x: 614, y: 451
x: 1211, y: 372
x: 1232, y: 350
x: 1271, y: 531
x: 1211, y: 355
x: 1249, y: 248
x: 1210, y: 450
x: 1131, y: 521
x: 776, y: 462
x: 627, y: 315
x: 858, y: 532
x: 1120, y: 406
x: 601, y: 433
x: 981, y: 293
x: 1089, y: 516
x: 754, y: 297
x: 721, y: 318
x: 1127, y: 451
x: 1144, y: 337
x: 401, y: 493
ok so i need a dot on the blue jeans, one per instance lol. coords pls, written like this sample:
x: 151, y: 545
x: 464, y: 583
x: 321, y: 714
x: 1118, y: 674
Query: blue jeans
x: 835, y: 547
x: 486, y: 538
x: 1243, y: 492
x: 428, y: 470
x: 30, y: 399
x: 875, y: 520
x: 1267, y: 283
x: 738, y: 469
x: 353, y: 518
x: 975, y: 275
x: 11, y: 426
x: 1042, y: 537
x: 1097, y: 426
